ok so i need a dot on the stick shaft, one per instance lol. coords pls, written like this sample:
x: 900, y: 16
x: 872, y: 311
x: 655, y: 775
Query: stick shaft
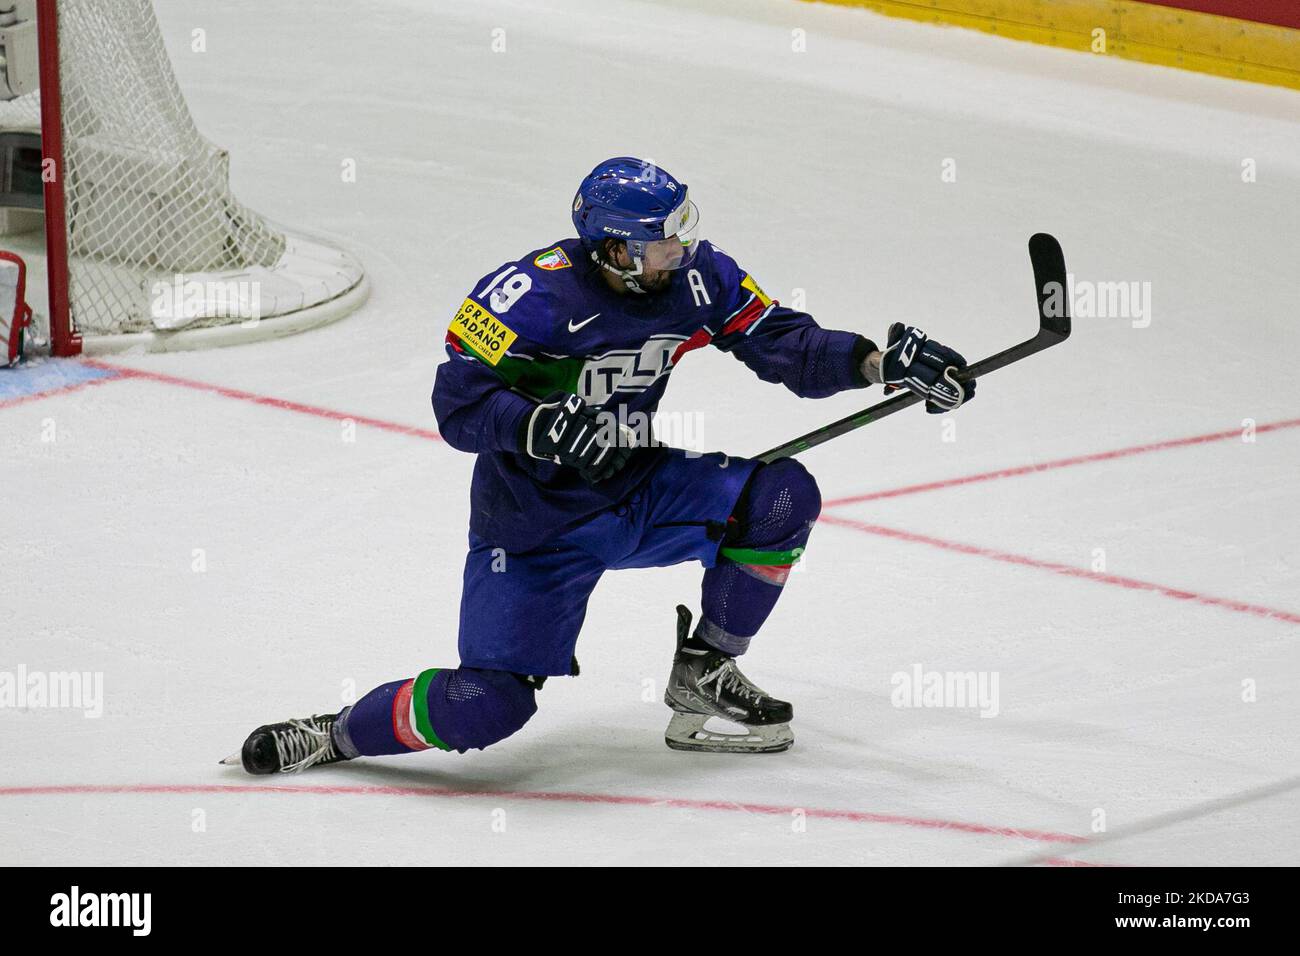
x: 1053, y: 327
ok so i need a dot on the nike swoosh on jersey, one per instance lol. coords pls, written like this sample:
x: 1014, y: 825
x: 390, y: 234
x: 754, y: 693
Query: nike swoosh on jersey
x: 574, y: 327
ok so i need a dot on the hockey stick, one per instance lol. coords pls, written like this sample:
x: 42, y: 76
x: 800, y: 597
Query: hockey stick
x: 1053, y: 328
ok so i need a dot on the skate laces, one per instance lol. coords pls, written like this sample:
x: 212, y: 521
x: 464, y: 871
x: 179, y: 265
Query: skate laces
x: 728, y: 677
x: 302, y: 745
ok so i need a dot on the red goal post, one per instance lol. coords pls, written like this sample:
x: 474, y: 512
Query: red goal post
x: 144, y: 245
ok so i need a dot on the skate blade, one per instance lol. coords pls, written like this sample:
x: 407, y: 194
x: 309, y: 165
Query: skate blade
x: 687, y: 732
x: 233, y: 760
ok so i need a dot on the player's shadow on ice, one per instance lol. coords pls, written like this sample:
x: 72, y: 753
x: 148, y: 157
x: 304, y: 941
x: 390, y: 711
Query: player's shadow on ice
x: 531, y: 765
x: 604, y: 757
x: 610, y: 757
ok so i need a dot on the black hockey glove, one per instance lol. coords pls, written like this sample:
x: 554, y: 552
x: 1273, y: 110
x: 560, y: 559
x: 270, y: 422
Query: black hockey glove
x: 564, y: 430
x: 914, y: 362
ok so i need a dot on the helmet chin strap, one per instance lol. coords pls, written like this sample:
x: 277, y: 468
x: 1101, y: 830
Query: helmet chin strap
x: 629, y: 276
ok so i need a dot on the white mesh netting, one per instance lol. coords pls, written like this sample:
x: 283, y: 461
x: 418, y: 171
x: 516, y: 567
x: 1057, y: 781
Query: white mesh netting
x: 148, y: 201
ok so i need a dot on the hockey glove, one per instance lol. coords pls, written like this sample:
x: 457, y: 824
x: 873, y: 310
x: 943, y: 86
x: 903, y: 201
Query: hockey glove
x: 564, y: 430
x: 929, y: 369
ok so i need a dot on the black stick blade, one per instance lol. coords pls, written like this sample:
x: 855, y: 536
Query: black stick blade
x: 1050, y: 284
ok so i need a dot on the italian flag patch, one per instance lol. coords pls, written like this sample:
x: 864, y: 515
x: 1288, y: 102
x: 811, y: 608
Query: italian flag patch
x: 552, y: 259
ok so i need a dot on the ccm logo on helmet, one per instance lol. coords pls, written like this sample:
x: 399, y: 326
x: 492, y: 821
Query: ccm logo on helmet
x: 616, y: 232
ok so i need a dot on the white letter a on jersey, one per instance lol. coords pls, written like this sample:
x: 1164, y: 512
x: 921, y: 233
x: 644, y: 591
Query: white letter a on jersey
x: 696, y: 282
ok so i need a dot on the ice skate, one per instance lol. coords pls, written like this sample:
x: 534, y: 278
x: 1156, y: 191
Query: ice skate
x: 289, y: 747
x: 706, y: 684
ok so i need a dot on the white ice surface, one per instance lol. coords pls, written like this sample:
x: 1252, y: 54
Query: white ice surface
x: 333, y: 564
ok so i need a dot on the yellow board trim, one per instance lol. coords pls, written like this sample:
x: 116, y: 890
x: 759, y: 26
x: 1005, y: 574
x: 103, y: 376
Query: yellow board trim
x: 1204, y: 42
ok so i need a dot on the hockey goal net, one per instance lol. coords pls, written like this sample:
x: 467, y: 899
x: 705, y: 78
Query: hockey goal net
x: 143, y: 242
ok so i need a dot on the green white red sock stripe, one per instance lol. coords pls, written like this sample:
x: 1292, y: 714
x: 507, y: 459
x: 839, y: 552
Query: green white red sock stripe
x: 403, y: 728
x: 411, y: 724
x: 771, y: 566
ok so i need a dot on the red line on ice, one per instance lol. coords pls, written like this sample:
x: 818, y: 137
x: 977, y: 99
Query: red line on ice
x: 852, y: 816
x: 431, y: 434
x: 1058, y: 463
x: 1007, y: 557
x: 126, y: 372
x: 1066, y: 861
x: 316, y: 411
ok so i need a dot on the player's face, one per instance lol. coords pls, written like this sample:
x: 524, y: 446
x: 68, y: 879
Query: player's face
x: 655, y: 280
x: 650, y: 279
x: 660, y: 258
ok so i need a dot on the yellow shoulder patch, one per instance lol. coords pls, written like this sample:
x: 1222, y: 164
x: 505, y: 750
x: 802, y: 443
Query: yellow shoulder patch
x: 482, y: 331
x: 749, y: 283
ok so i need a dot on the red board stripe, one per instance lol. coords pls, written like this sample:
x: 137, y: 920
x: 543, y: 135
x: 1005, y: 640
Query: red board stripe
x: 1282, y: 13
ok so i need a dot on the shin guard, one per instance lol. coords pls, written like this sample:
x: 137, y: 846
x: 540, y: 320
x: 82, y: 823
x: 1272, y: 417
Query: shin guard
x: 766, y: 538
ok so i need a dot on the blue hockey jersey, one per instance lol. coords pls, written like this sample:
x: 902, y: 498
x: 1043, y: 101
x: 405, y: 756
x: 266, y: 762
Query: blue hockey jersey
x: 550, y: 322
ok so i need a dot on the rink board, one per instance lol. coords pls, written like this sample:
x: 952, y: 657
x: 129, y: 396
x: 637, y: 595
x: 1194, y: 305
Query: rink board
x: 1264, y: 49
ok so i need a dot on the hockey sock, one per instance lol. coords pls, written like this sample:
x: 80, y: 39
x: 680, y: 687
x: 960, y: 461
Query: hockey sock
x: 773, y: 519
x: 451, y: 709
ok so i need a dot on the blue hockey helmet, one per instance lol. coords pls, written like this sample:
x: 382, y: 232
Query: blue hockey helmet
x: 634, y: 201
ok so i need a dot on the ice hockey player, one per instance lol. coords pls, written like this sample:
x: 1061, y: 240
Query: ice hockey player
x: 547, y: 359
